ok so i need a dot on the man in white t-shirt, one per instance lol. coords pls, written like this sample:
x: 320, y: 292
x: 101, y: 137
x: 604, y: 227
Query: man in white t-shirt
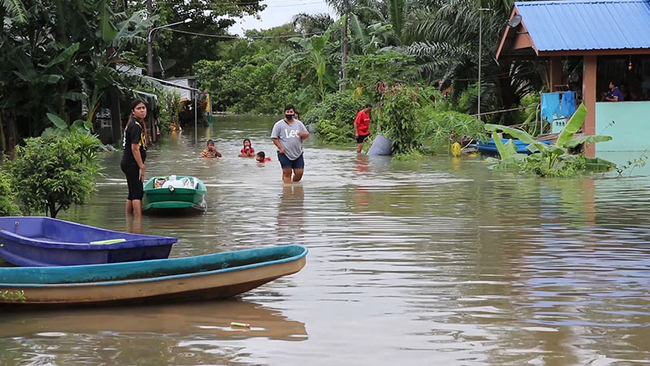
x: 288, y: 135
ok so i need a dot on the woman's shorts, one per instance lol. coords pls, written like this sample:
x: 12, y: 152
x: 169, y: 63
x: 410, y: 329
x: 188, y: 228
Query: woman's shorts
x: 299, y: 163
x: 132, y: 172
x: 362, y: 138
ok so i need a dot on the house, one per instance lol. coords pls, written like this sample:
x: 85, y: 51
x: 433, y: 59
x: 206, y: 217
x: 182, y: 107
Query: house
x: 589, y: 43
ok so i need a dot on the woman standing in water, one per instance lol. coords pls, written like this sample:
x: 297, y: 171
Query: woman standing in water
x: 134, y: 155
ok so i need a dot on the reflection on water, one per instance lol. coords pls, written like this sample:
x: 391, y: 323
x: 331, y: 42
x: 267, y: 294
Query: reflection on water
x: 409, y: 263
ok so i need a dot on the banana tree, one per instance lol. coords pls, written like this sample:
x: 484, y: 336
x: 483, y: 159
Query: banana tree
x: 549, y: 160
x: 312, y: 55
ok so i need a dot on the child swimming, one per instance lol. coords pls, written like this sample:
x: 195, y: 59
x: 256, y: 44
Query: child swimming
x: 247, y: 151
x: 261, y: 157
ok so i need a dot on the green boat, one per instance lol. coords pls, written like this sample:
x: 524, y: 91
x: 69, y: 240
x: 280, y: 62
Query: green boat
x: 174, y: 193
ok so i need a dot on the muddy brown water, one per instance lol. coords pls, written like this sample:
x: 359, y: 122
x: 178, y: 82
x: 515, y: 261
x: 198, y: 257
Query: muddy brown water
x: 441, y: 261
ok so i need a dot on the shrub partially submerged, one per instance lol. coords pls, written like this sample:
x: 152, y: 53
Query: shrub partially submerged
x: 550, y: 160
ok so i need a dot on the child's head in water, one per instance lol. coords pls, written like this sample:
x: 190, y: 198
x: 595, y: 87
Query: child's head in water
x: 261, y: 157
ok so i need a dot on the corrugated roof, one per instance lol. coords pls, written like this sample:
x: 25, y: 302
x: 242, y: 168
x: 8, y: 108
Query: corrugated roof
x: 587, y: 24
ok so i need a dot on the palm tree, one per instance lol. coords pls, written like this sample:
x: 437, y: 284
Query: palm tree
x: 313, y: 58
x: 442, y: 35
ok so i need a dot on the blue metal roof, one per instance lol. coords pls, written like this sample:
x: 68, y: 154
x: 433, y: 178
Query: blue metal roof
x: 587, y: 24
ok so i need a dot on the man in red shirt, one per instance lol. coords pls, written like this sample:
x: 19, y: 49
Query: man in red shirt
x: 362, y: 126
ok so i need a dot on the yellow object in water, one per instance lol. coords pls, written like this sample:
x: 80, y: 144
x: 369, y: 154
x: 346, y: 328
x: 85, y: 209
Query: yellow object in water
x: 455, y: 149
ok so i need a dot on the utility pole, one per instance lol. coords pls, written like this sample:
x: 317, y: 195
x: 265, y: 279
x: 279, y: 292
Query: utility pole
x: 480, y: 46
x: 149, y: 40
x: 344, y: 56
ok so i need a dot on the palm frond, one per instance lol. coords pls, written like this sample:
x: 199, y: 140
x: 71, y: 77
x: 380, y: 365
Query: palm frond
x: 15, y: 9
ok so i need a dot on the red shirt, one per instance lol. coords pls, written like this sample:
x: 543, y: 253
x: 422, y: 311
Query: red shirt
x: 362, y: 123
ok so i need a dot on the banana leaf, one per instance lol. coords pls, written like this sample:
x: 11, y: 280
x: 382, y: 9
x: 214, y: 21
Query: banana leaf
x: 572, y: 126
x: 58, y: 121
x: 582, y: 139
x: 522, y: 136
x: 511, y: 147
x: 64, y: 56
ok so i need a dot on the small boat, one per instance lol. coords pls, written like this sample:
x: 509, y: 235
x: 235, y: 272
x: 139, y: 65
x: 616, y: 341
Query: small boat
x: 173, y: 193
x: 490, y: 148
x: 212, y: 276
x: 43, y: 241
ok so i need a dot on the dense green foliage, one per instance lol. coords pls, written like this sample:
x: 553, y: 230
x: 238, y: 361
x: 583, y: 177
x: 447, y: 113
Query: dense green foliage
x: 399, y: 118
x: 60, y: 57
x: 334, y: 117
x: 55, y: 172
x: 248, y: 88
x: 8, y: 206
x: 439, y: 129
x: 170, y: 108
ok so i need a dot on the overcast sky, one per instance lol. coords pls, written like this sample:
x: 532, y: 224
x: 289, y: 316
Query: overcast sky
x: 279, y: 12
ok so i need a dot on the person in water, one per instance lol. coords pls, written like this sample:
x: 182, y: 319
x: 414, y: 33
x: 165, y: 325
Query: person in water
x: 288, y: 135
x: 247, y: 151
x: 362, y: 126
x: 134, y: 156
x: 261, y: 157
x: 210, y: 151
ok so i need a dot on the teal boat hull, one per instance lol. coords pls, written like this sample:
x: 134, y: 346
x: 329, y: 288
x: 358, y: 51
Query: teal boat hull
x: 213, y: 276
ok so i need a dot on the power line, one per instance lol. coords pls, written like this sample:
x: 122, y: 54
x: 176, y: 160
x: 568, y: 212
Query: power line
x: 273, y: 5
x: 238, y: 37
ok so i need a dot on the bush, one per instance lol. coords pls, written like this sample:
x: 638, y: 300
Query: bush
x: 170, y: 107
x: 439, y: 129
x: 334, y: 117
x: 7, y: 196
x: 399, y: 118
x: 56, y: 172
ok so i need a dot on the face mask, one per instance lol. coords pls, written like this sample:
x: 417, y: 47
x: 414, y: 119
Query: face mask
x: 288, y: 116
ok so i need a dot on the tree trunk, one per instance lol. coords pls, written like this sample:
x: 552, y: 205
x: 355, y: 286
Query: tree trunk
x: 52, y: 209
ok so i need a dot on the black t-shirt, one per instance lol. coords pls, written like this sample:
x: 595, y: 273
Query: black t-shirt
x: 133, y: 134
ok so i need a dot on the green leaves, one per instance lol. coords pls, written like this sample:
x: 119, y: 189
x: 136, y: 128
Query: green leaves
x: 7, y: 196
x: 399, y: 117
x: 572, y: 126
x: 58, y: 121
x: 56, y: 172
x: 522, y: 136
x: 552, y: 160
x: 65, y: 56
x: 16, y: 9
x: 587, y: 139
x: 108, y: 31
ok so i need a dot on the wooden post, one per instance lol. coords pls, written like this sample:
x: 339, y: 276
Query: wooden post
x: 556, y: 73
x: 589, y: 99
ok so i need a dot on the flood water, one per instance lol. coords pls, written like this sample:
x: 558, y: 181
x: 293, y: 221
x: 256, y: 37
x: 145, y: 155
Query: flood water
x: 436, y: 262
